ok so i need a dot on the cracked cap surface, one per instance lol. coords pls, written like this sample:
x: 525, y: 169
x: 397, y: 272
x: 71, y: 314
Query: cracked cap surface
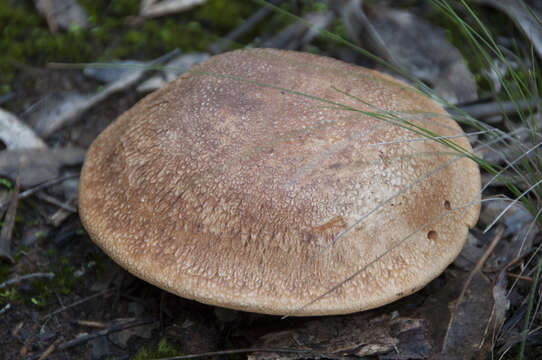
x: 227, y: 184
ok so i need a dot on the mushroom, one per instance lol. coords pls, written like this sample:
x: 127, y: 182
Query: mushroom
x: 244, y: 184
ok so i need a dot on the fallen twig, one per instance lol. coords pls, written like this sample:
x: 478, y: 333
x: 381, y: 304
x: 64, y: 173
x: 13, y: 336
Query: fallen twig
x: 87, y: 337
x: 41, y: 186
x: 17, y: 279
x: 16, y: 134
x: 6, y: 97
x: 9, y: 222
x: 488, y: 109
x: 50, y: 16
x: 223, y: 43
x: 520, y: 277
x: 240, y: 351
x: 294, y: 35
x: 49, y: 124
x: 101, y: 293
x: 480, y: 264
x: 90, y: 323
x: 477, y: 268
x: 5, y: 308
x: 52, y: 200
x: 49, y: 349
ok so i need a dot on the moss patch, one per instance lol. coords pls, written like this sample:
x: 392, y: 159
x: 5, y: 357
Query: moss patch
x: 160, y: 350
x: 112, y: 33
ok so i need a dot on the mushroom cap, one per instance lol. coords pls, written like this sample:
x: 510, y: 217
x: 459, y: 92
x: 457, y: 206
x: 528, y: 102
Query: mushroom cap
x: 242, y: 184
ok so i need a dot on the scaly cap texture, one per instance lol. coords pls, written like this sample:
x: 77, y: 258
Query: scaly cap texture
x: 229, y: 185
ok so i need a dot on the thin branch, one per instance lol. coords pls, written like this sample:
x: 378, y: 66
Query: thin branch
x: 50, y: 349
x: 484, y: 110
x: 35, y: 189
x: 512, y: 204
x: 82, y: 301
x: 9, y: 222
x: 473, y: 272
x: 18, y: 279
x: 306, y: 353
x: 480, y: 263
x: 52, y: 200
x: 5, y: 308
x: 85, y: 338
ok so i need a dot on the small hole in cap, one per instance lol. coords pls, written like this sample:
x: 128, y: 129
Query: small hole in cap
x: 432, y: 235
x: 447, y: 205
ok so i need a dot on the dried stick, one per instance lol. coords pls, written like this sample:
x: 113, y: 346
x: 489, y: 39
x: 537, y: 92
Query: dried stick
x: 484, y: 110
x: 85, y: 338
x: 64, y: 308
x: 49, y: 12
x: 9, y: 222
x: 18, y: 279
x: 477, y: 269
x: 49, y: 350
x: 41, y: 186
x: 5, y: 308
x: 306, y: 353
x: 480, y: 263
x: 219, y: 46
x: 52, y: 200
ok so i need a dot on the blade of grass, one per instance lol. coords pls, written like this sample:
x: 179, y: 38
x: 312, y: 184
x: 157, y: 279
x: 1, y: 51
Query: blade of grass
x: 532, y: 296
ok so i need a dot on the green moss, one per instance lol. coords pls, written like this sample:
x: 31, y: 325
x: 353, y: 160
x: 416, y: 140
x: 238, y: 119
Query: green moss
x: 162, y: 349
x: 6, y: 183
x: 9, y: 296
x: 63, y: 283
x: 41, y: 289
x: 315, y: 6
x: 5, y: 271
x: 223, y: 15
x: 26, y: 38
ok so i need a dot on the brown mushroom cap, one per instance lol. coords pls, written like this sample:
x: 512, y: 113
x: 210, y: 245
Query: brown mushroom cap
x: 225, y: 186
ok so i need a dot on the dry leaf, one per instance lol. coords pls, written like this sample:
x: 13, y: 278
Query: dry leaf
x: 502, y: 304
x: 155, y: 8
x: 411, y: 43
x: 172, y: 70
x: 352, y: 335
x: 57, y: 109
x: 470, y: 254
x: 62, y: 14
x: 527, y: 19
x: 62, y: 108
x: 515, y: 219
x: 17, y: 135
x: 468, y: 325
x: 38, y: 165
x: 425, y: 52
